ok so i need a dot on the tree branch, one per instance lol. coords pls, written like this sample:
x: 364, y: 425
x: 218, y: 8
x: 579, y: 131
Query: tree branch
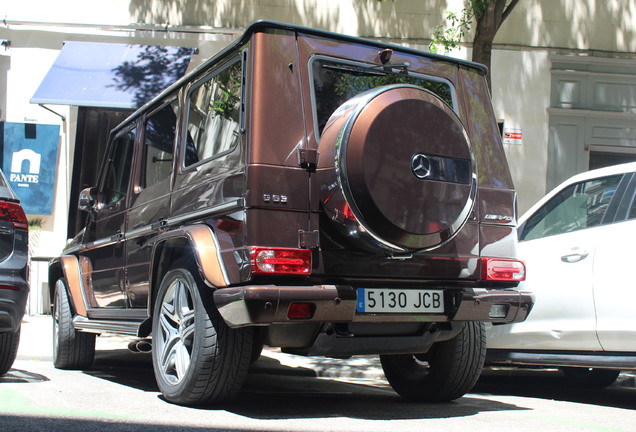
x: 509, y: 9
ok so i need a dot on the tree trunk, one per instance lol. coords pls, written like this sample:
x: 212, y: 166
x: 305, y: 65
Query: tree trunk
x: 490, y: 15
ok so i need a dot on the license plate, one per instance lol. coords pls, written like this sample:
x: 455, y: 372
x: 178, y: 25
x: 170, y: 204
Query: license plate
x: 400, y: 300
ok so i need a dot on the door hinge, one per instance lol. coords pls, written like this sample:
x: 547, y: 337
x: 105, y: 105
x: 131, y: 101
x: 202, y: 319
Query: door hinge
x: 308, y: 159
x: 308, y: 239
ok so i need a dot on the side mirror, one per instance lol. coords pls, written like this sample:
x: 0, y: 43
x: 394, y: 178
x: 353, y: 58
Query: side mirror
x: 86, y: 199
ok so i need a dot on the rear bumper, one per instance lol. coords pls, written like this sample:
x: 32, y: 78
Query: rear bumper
x: 13, y: 277
x: 12, y: 306
x: 269, y: 304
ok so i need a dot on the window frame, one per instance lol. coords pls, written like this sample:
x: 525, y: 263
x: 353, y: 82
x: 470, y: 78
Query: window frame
x: 417, y: 75
x: 143, y: 121
x: 210, y: 74
x: 101, y: 193
x: 609, y: 217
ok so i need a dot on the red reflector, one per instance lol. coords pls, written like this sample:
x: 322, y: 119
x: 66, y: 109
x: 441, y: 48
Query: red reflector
x: 502, y: 269
x: 301, y: 310
x: 9, y: 287
x: 12, y: 212
x: 281, y: 261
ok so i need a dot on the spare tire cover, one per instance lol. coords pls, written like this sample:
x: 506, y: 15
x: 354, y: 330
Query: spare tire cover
x: 403, y: 175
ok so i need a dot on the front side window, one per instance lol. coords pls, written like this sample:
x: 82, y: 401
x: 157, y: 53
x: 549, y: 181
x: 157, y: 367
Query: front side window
x: 214, y: 115
x: 159, y: 134
x: 578, y: 206
x: 335, y: 82
x: 117, y: 177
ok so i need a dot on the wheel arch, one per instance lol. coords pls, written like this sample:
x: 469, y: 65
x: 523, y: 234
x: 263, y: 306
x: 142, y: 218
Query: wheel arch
x: 68, y: 267
x: 201, y: 242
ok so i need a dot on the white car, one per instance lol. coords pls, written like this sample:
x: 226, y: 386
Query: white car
x: 579, y: 246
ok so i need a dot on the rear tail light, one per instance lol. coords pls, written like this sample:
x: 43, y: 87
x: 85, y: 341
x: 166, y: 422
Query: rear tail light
x: 503, y: 270
x: 9, y: 287
x: 12, y: 212
x: 281, y: 261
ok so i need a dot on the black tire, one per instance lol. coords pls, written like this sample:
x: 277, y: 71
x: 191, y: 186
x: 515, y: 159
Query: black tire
x: 257, y: 350
x: 71, y: 349
x: 590, y: 377
x: 197, y: 358
x: 8, y: 350
x: 447, y: 372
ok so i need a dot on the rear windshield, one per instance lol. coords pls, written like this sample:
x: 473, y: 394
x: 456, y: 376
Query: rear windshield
x: 336, y: 81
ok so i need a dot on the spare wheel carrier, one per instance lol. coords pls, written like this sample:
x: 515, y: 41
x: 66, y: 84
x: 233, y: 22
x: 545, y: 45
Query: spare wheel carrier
x: 403, y: 176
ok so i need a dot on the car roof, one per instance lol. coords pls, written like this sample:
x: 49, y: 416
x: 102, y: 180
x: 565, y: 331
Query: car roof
x: 587, y: 175
x: 266, y: 26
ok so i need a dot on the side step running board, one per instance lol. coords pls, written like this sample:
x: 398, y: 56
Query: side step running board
x: 126, y: 328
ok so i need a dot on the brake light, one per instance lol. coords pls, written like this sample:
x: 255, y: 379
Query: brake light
x: 13, y: 212
x: 503, y: 270
x: 281, y: 261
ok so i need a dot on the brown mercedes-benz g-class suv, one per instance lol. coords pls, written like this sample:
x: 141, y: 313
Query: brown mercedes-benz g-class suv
x: 320, y: 193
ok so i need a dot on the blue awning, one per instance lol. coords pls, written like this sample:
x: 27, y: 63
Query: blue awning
x: 111, y: 75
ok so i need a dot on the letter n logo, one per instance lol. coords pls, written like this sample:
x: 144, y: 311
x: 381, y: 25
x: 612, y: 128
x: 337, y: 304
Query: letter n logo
x: 26, y: 155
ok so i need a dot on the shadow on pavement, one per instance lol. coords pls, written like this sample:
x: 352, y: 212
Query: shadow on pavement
x: 124, y: 367
x: 276, y: 391
x: 16, y: 423
x: 22, y: 376
x: 550, y: 384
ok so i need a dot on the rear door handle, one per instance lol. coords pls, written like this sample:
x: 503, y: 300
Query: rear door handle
x: 576, y: 256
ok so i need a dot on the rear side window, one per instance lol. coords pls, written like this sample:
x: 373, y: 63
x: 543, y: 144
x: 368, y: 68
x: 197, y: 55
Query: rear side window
x: 335, y: 82
x: 213, y: 115
x: 578, y: 206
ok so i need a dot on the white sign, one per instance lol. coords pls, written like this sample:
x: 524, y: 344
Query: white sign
x: 512, y: 136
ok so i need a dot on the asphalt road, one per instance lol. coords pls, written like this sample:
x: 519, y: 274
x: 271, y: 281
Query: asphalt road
x: 287, y: 393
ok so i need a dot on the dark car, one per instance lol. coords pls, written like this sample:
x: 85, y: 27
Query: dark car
x: 320, y: 193
x: 14, y: 289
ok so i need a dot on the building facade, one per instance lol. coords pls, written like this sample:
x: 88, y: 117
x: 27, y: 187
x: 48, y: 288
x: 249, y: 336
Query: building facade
x: 563, y: 74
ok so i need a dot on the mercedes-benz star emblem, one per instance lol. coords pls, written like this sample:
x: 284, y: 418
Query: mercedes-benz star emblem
x: 420, y: 165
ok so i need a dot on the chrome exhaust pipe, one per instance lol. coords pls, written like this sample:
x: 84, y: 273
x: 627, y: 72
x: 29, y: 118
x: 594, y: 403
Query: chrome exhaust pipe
x: 140, y: 346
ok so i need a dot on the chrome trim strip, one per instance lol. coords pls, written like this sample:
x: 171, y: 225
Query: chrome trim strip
x: 239, y: 204
x: 97, y: 243
x: 230, y: 205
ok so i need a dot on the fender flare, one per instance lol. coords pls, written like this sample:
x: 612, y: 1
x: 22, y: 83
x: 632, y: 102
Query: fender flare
x: 70, y: 268
x: 206, y: 250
